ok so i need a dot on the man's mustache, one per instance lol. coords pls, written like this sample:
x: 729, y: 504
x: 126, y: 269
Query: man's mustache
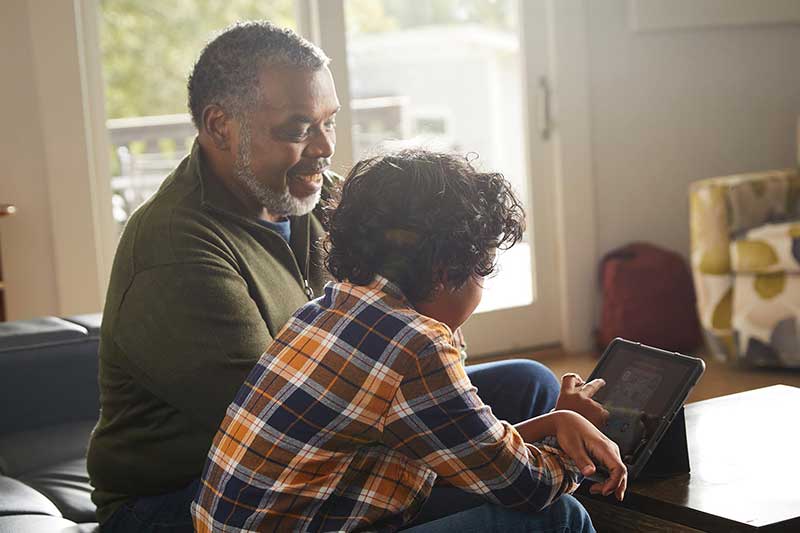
x: 321, y: 166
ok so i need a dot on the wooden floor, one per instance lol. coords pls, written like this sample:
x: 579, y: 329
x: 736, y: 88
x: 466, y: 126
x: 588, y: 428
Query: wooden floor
x: 719, y: 379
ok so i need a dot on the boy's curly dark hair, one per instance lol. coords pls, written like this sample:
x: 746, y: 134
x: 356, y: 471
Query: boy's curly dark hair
x: 420, y: 218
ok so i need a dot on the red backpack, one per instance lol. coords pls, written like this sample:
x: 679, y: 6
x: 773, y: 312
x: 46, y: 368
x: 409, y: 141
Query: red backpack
x: 648, y: 297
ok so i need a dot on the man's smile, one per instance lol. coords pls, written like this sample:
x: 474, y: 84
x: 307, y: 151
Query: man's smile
x: 302, y: 185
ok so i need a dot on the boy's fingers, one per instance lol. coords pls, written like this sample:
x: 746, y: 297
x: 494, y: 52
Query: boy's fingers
x: 598, y: 414
x: 593, y: 386
x: 617, y: 477
x: 585, y: 464
x: 613, y: 481
x: 602, y: 412
x: 620, y: 492
x: 569, y: 382
x: 604, y: 416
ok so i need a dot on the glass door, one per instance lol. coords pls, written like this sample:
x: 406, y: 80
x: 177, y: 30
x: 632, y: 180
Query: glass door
x: 461, y: 75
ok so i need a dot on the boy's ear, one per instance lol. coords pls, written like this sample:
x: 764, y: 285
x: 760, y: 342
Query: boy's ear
x: 437, y: 289
x: 441, y: 279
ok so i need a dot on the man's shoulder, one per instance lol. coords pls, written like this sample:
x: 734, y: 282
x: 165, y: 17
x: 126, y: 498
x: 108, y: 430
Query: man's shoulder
x: 173, y: 225
x: 178, y: 193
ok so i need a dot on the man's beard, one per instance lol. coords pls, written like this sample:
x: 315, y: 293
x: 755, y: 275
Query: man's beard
x: 279, y: 204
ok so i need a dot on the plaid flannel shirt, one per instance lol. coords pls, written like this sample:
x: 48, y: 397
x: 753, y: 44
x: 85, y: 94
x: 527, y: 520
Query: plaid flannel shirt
x: 349, y: 417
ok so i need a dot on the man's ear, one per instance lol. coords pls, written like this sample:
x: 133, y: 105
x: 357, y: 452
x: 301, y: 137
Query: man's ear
x: 218, y: 125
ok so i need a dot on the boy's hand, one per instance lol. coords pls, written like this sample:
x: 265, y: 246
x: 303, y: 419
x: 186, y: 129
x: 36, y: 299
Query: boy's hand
x: 582, y: 442
x: 576, y: 395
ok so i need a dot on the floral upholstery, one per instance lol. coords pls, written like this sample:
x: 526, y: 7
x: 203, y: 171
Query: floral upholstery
x: 745, y: 233
x: 767, y: 249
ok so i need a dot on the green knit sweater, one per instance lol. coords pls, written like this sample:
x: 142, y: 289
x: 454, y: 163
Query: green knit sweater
x: 197, y: 293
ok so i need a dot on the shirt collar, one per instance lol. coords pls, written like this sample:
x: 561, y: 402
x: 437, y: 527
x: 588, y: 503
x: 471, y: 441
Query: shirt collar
x: 379, y: 284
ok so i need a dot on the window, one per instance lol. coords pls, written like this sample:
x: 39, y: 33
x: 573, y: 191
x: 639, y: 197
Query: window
x: 446, y: 73
x: 148, y: 50
x: 451, y: 74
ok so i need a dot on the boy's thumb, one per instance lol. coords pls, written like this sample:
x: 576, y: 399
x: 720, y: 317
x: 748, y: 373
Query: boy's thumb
x: 585, y: 464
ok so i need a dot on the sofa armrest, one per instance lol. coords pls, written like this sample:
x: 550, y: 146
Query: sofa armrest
x: 768, y: 249
x: 48, y: 374
x: 721, y: 209
x: 711, y: 263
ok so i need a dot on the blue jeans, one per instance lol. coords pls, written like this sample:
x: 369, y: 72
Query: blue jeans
x: 566, y: 514
x: 164, y: 513
x: 515, y: 390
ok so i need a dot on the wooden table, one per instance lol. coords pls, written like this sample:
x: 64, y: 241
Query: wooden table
x: 744, y: 451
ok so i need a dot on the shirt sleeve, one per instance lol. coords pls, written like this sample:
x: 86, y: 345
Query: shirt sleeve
x: 192, y: 334
x: 438, y: 419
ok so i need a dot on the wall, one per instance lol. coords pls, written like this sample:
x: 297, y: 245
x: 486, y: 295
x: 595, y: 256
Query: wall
x: 672, y: 106
x: 56, y: 251
x: 26, y: 238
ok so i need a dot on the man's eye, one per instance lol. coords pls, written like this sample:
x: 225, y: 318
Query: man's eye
x: 298, y: 135
x: 330, y: 125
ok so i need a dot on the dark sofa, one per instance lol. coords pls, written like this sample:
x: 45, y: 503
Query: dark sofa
x: 49, y: 399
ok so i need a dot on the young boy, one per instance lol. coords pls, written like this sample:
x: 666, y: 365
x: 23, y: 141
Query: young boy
x: 361, y: 402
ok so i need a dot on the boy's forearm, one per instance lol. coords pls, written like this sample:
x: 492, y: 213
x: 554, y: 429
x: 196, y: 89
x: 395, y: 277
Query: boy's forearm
x: 535, y: 429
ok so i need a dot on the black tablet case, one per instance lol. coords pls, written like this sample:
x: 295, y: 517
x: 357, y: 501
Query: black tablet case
x: 670, y: 457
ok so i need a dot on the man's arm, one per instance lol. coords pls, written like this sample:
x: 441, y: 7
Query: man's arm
x: 191, y: 333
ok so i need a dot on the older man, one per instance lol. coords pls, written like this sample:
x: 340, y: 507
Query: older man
x: 211, y: 267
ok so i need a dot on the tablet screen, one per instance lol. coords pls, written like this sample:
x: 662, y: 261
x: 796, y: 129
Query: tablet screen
x: 641, y: 386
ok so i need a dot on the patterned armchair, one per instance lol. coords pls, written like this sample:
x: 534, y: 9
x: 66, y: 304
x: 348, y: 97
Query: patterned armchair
x: 745, y: 241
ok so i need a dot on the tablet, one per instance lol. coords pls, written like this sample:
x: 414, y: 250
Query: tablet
x: 645, y: 388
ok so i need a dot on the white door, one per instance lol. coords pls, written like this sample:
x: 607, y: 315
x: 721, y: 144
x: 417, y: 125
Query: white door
x: 466, y: 75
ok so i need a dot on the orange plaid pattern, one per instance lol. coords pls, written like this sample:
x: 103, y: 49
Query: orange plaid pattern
x: 349, y: 417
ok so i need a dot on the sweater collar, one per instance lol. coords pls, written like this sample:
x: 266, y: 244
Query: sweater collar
x: 212, y: 192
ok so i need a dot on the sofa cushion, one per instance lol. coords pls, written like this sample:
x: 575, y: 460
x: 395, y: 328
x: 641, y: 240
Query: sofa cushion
x: 770, y: 248
x: 35, y: 449
x: 43, y: 524
x: 89, y: 321
x: 38, y: 332
x: 42, y: 384
x: 67, y: 485
x: 19, y: 498
x: 765, y: 319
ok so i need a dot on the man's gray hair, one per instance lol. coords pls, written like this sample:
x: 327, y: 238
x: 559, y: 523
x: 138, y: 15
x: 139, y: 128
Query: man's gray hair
x: 227, y: 71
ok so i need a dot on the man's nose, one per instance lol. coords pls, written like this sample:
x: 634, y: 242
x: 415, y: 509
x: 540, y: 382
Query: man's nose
x: 323, y: 145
